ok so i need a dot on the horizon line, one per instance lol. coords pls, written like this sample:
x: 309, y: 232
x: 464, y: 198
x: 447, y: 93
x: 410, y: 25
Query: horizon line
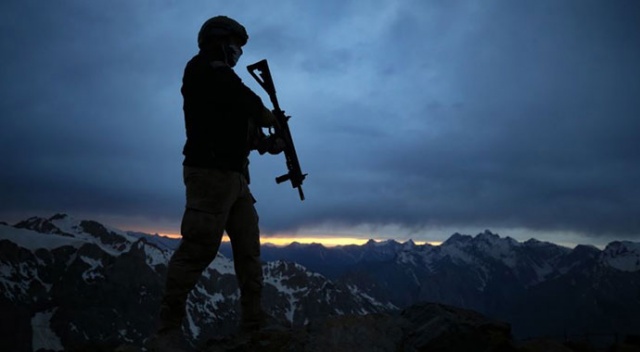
x: 282, y: 241
x: 341, y: 241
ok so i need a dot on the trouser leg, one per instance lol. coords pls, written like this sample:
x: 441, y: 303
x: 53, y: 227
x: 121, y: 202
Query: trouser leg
x: 243, y: 231
x: 201, y: 236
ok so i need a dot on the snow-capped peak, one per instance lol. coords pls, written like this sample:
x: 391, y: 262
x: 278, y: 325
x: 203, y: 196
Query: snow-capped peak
x: 409, y: 245
x: 33, y: 240
x: 457, y: 238
x: 468, y: 249
x: 622, y: 255
x: 109, y: 239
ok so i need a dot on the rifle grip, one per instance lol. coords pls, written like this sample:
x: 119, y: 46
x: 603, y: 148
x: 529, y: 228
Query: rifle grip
x: 283, y: 178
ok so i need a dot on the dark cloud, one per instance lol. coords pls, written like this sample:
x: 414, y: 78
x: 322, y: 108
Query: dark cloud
x: 419, y: 115
x: 80, y: 102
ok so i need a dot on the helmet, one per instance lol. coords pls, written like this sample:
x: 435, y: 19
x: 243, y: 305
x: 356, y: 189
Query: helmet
x: 219, y: 27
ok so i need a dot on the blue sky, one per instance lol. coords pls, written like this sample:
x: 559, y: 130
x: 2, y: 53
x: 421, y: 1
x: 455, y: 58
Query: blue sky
x: 414, y: 119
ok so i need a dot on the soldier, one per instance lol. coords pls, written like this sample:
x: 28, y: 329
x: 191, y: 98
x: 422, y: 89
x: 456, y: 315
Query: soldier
x: 223, y: 120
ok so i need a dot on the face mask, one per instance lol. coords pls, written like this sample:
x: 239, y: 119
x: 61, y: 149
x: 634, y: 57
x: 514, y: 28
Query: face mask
x: 233, y: 54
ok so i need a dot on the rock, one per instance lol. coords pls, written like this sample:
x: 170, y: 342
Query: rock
x: 374, y: 332
x: 424, y: 327
x: 438, y: 327
x: 545, y: 345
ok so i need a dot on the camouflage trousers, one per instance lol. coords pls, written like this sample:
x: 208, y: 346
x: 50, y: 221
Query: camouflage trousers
x: 217, y: 200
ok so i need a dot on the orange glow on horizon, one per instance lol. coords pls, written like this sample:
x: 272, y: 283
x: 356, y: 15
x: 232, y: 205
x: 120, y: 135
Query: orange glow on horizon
x: 325, y: 241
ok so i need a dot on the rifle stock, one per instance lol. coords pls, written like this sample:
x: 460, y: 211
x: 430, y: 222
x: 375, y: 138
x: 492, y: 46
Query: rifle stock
x: 281, y: 127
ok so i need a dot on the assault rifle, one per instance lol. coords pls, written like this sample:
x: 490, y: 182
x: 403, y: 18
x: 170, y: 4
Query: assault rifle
x: 281, y: 127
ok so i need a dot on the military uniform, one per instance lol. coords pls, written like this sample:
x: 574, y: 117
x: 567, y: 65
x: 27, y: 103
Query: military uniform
x: 222, y: 117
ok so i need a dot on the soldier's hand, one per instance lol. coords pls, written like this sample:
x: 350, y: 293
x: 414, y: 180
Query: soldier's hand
x: 277, y: 146
x: 268, y: 118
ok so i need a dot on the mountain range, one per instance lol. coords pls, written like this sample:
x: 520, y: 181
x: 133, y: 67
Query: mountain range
x: 66, y: 282
x: 540, y: 288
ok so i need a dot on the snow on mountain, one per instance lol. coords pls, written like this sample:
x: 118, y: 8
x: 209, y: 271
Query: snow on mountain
x: 466, y: 249
x: 32, y: 240
x: 111, y: 240
x: 622, y: 255
x: 59, y: 271
x: 44, y: 338
x: 161, y: 242
x: 408, y: 245
x: 531, y: 262
x: 310, y: 295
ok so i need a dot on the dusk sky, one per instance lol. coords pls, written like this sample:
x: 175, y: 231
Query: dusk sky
x: 414, y: 119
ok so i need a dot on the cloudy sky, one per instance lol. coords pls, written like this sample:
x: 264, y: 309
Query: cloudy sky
x: 414, y: 119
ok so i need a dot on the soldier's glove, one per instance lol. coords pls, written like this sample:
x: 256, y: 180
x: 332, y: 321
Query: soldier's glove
x: 271, y: 144
x: 277, y: 145
x: 267, y: 118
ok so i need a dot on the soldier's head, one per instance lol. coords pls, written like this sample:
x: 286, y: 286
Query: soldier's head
x: 225, y: 34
